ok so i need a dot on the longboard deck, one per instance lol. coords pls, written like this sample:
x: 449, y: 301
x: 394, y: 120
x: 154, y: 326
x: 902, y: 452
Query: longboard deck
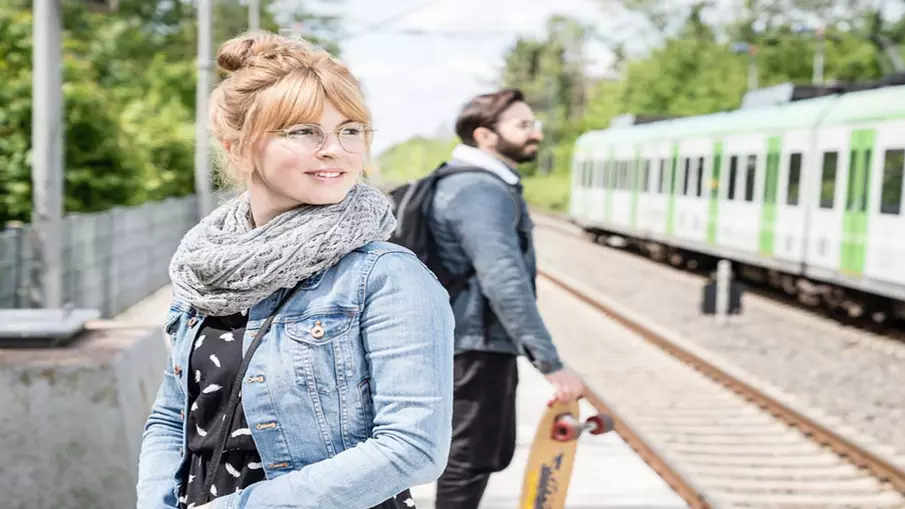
x: 550, y: 462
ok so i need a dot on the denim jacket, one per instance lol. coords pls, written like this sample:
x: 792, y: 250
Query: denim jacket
x: 342, y: 420
x: 477, y: 220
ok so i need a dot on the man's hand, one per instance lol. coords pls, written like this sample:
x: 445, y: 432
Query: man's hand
x: 566, y: 384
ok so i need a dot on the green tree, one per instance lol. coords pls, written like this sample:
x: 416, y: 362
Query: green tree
x: 129, y: 96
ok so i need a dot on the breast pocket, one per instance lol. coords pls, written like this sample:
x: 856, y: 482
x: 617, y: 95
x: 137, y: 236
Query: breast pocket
x: 320, y: 350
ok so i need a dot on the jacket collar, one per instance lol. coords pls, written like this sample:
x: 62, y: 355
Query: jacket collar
x: 463, y: 154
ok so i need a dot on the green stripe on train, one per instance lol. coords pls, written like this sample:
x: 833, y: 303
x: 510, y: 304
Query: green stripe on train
x: 771, y: 185
x: 854, y: 219
x: 671, y: 208
x: 714, y: 205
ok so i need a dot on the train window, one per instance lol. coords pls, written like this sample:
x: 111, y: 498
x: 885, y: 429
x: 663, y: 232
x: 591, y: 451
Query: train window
x: 629, y: 175
x: 646, y: 185
x: 632, y: 173
x: 604, y: 181
x: 852, y: 174
x: 733, y: 172
x: 749, y: 177
x: 770, y: 180
x: 794, y: 189
x: 715, y: 176
x: 891, y: 198
x: 868, y: 159
x: 700, y: 176
x: 662, y: 184
x: 687, y: 177
x: 623, y: 175
x: 828, y: 179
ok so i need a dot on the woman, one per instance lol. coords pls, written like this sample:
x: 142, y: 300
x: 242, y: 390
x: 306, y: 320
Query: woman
x: 345, y: 398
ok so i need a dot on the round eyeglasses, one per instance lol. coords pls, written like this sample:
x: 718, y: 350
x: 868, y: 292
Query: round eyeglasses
x: 353, y: 137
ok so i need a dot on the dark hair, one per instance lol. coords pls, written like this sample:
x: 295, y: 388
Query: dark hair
x: 484, y: 111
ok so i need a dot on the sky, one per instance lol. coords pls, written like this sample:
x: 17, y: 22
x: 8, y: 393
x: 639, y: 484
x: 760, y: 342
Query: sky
x: 417, y: 84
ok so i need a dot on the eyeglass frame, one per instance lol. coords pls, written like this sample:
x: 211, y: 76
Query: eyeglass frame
x: 536, y: 125
x: 365, y: 127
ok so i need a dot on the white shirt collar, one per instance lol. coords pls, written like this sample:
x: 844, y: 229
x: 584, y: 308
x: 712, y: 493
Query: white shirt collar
x: 477, y: 157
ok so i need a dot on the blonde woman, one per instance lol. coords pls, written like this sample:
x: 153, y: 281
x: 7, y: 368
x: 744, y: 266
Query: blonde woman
x: 311, y: 361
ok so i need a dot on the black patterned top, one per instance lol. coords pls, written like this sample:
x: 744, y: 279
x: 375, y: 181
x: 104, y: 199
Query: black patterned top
x: 214, y: 362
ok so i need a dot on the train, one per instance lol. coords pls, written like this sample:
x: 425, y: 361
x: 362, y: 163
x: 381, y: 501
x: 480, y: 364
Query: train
x: 800, y: 188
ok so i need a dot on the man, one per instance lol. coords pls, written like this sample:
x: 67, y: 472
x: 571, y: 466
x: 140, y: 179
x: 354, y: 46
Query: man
x: 480, y: 220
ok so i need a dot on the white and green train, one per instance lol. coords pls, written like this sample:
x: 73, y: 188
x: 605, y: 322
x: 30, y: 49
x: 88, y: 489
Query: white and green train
x: 806, y: 194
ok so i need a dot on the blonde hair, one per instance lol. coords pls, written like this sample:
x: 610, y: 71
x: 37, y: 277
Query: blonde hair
x: 275, y: 82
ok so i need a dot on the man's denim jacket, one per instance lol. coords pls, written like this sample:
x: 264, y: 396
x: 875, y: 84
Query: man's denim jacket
x: 348, y: 418
x: 476, y: 219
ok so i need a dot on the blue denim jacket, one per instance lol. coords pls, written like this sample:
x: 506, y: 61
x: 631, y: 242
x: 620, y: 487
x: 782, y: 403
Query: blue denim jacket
x: 345, y: 420
x: 476, y: 219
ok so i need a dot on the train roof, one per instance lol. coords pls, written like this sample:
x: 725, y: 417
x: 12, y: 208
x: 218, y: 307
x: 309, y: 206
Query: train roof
x: 866, y: 105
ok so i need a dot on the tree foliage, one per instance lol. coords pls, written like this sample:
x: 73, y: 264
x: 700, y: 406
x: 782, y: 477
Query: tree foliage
x: 129, y: 97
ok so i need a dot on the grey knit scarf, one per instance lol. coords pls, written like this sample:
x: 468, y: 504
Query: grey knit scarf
x: 224, y: 266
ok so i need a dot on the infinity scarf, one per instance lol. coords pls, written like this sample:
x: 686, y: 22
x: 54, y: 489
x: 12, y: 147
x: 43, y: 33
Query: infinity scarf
x: 223, y: 265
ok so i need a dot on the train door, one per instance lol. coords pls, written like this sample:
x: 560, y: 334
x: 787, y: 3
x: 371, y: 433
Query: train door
x: 826, y: 200
x: 886, y: 244
x: 857, y: 197
x: 791, y: 202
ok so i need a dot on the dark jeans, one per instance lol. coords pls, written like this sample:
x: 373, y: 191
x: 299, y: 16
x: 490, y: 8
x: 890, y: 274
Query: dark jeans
x: 484, y: 429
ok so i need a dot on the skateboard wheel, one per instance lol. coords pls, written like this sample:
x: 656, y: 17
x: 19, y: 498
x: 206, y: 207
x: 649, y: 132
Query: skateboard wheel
x: 566, y: 428
x: 601, y: 424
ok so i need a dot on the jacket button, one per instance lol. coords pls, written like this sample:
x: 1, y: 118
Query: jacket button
x: 317, y: 331
x: 182, y: 415
x: 193, y: 321
x: 177, y: 370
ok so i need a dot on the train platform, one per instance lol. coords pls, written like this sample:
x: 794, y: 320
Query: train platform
x: 607, y: 472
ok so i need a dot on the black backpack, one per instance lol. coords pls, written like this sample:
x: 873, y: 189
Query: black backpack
x: 411, y: 205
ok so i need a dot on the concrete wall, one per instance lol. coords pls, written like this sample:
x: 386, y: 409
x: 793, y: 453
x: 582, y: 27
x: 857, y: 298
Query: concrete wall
x: 71, y: 419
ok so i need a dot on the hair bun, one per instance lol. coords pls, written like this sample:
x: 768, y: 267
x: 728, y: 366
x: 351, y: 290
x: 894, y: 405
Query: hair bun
x: 234, y: 54
x: 240, y: 51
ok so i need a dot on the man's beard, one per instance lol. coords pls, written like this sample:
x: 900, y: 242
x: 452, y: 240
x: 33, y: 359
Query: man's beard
x: 517, y: 153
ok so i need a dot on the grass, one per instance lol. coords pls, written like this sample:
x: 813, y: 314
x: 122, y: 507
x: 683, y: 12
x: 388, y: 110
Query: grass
x: 548, y: 192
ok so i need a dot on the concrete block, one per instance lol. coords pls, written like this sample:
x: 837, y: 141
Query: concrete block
x: 71, y: 419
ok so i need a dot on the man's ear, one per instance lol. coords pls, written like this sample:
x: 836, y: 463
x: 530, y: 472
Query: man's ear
x: 483, y: 136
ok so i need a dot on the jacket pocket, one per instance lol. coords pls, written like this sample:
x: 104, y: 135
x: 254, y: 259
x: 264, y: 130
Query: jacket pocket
x: 319, y: 355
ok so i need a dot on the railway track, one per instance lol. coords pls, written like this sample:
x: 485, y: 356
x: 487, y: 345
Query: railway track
x: 714, y: 436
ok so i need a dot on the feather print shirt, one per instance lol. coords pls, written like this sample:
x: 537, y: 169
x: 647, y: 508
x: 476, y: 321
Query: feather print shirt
x: 214, y: 362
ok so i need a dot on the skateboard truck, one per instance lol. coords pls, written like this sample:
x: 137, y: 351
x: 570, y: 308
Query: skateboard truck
x: 566, y: 427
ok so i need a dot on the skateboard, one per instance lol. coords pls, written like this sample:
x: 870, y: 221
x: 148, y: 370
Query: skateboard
x: 552, y: 454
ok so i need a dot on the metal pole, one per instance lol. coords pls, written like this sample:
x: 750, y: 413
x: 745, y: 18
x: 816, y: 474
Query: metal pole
x: 819, y: 59
x: 752, y: 73
x: 47, y: 151
x: 254, y: 15
x: 723, y: 281
x: 205, y: 66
